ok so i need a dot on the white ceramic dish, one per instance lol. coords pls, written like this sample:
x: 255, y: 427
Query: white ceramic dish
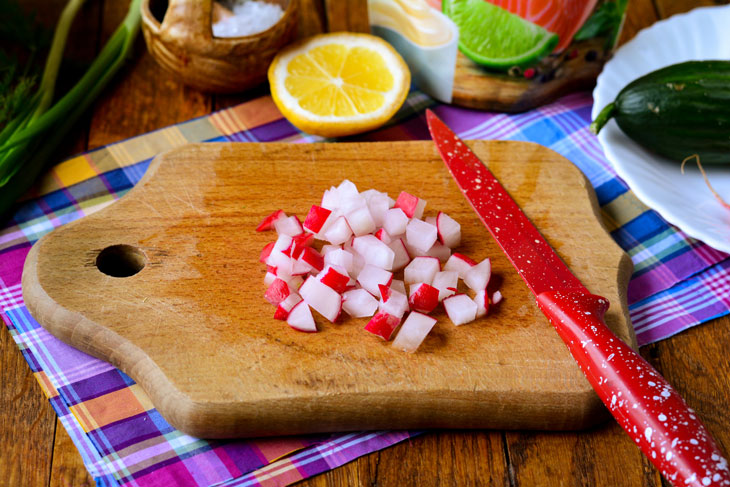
x: 682, y: 199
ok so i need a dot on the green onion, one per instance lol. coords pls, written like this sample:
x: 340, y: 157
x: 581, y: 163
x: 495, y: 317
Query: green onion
x: 30, y: 139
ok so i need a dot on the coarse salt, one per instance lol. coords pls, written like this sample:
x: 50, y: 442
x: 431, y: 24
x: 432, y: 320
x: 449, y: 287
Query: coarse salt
x: 249, y: 17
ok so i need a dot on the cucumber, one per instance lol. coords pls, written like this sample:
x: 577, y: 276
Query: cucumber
x: 677, y: 111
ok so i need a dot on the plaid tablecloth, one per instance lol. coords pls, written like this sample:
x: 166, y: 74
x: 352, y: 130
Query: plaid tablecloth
x: 677, y: 283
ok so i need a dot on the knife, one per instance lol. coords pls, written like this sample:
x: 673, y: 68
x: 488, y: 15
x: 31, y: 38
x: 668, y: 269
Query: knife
x: 653, y: 414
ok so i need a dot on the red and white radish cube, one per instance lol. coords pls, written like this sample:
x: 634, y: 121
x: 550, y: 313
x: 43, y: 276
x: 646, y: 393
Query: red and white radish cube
x: 459, y: 263
x: 460, y: 309
x: 300, y: 267
x: 266, y: 252
x: 313, y: 258
x: 378, y: 204
x: 482, y: 301
x: 336, y: 278
x: 421, y: 269
x: 283, y: 309
x: 374, y: 251
x: 269, y: 279
x: 316, y: 218
x: 339, y: 232
x: 449, y: 230
x: 411, y: 205
x: 496, y: 297
x: 360, y: 221
x: 330, y: 199
x: 414, y: 330
x: 268, y: 222
x: 400, y: 254
x: 393, y: 302
x: 395, y: 221
x: 288, y: 226
x: 373, y: 276
x: 446, y: 282
x: 423, y: 298
x: 277, y: 292
x: 478, y: 276
x: 341, y: 258
x: 359, y: 303
x: 300, y: 318
x: 383, y: 236
x: 322, y: 298
x: 421, y: 235
x: 382, y: 325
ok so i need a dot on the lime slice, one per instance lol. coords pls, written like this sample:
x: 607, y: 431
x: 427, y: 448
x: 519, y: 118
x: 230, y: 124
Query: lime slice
x: 496, y: 38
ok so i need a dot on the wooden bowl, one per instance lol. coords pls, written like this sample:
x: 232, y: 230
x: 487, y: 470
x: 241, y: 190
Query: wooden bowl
x: 183, y: 44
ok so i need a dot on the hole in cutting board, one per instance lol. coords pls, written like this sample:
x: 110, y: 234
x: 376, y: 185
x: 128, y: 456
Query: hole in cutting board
x: 120, y: 260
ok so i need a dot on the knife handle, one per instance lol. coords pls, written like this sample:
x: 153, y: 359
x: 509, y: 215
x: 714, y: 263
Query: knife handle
x: 667, y: 430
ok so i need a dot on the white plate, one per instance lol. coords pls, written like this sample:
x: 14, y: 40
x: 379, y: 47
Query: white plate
x: 682, y: 199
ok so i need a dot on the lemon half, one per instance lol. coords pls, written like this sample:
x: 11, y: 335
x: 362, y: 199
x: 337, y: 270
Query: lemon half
x: 339, y: 84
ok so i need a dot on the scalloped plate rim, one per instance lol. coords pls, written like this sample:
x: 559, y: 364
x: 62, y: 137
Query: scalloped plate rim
x: 633, y: 163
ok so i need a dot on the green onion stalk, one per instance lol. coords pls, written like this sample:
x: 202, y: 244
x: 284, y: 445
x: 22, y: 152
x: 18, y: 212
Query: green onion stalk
x: 28, y: 142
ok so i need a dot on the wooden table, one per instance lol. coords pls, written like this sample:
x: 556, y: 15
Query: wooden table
x: 36, y: 450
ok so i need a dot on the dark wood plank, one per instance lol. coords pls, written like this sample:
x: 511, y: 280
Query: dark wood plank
x: 68, y: 468
x: 27, y: 421
x: 349, y: 15
x: 667, y: 8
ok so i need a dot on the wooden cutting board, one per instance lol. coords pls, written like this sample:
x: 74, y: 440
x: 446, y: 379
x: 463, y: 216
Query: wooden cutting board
x: 193, y: 329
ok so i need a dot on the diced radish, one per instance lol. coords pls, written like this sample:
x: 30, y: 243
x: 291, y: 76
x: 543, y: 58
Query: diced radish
x: 478, y: 276
x: 374, y: 251
x: 398, y: 285
x: 446, y: 282
x: 325, y: 300
x: 482, y: 301
x: 359, y: 303
x: 459, y: 263
x: 268, y: 222
x: 339, y: 232
x: 277, y: 292
x: 394, y: 302
x: 414, y: 330
x: 269, y: 279
x: 423, y: 298
x: 358, y: 262
x: 378, y: 204
x: 371, y: 276
x: 288, y: 226
x: 316, y: 218
x: 421, y: 269
x: 331, y: 199
x: 266, y: 252
x: 496, y: 297
x: 313, y: 258
x: 337, y: 279
x: 339, y: 257
x: 300, y: 318
x: 295, y: 282
x: 460, y: 309
x: 395, y: 221
x: 420, y: 234
x: 347, y: 191
x: 412, y: 206
x: 382, y: 325
x: 300, y: 267
x: 449, y: 230
x: 326, y: 249
x: 360, y: 220
x: 401, y: 257
x: 383, y: 236
x: 440, y: 251
x: 283, y: 309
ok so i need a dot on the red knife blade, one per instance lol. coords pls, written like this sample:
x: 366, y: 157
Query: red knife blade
x: 642, y: 401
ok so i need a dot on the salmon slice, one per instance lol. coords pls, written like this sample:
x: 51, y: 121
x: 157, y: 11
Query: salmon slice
x: 562, y: 17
